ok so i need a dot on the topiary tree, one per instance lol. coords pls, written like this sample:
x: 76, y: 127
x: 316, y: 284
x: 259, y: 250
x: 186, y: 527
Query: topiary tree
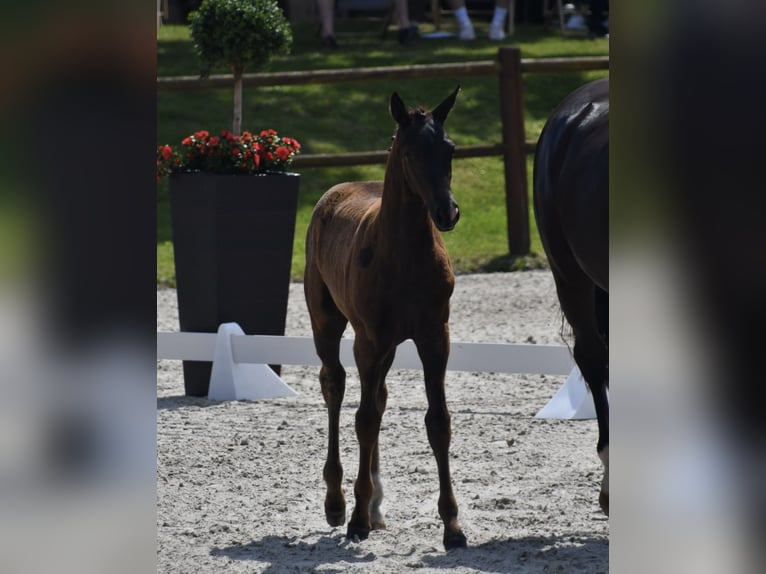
x: 240, y: 34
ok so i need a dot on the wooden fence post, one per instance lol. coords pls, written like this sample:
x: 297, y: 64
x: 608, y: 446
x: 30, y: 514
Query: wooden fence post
x: 514, y: 155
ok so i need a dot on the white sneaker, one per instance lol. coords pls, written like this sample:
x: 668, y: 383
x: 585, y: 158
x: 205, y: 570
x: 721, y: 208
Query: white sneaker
x: 467, y: 32
x: 496, y: 32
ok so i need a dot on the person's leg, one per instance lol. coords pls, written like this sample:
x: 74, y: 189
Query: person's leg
x: 497, y: 26
x: 407, y: 31
x: 465, y: 26
x: 598, y: 12
x: 327, y: 20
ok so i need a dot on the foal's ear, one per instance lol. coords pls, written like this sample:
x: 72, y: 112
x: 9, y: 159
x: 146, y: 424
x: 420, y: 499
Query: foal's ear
x: 441, y: 111
x: 398, y: 110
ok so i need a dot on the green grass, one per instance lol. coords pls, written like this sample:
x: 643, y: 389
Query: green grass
x: 353, y: 117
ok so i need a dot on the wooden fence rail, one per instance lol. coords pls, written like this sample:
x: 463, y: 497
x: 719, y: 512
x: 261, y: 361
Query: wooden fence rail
x: 509, y: 69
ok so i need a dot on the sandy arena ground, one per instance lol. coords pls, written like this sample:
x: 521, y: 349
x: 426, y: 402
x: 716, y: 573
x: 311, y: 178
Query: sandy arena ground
x: 240, y: 489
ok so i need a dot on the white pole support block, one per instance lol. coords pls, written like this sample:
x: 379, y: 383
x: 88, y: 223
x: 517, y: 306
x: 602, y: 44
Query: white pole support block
x: 572, y: 401
x: 230, y: 381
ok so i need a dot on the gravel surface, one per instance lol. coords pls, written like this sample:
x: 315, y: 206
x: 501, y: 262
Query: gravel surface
x: 240, y: 489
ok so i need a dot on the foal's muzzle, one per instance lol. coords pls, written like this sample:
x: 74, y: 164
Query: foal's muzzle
x: 446, y: 217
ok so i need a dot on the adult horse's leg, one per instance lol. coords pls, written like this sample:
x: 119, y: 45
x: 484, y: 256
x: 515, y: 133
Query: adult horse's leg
x: 591, y: 357
x: 600, y: 397
x: 601, y: 402
x: 433, y: 350
x: 373, y: 365
x: 328, y: 324
x: 579, y: 300
x: 601, y: 302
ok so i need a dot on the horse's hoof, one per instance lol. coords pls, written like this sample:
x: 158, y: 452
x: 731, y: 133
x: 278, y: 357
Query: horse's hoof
x: 454, y: 540
x: 356, y: 533
x: 335, y: 517
x: 603, y: 501
x: 378, y: 524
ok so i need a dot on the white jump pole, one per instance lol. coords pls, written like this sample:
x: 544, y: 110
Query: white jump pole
x: 240, y: 363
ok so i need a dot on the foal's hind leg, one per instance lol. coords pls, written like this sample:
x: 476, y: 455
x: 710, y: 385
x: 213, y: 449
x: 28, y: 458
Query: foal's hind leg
x: 328, y: 324
x: 434, y: 351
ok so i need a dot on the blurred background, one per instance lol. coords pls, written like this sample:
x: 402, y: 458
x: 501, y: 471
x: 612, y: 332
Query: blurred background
x: 81, y: 232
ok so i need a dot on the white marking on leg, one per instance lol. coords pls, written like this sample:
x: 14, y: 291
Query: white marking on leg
x: 376, y: 513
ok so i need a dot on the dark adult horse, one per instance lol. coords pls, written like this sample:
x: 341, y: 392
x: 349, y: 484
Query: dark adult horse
x: 375, y: 257
x: 571, y: 196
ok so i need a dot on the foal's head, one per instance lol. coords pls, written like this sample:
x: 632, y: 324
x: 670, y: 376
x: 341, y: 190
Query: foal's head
x: 424, y: 152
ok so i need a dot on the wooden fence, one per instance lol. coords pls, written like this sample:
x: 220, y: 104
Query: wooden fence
x: 509, y: 69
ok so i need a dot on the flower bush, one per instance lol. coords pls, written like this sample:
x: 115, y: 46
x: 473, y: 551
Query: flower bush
x: 227, y: 153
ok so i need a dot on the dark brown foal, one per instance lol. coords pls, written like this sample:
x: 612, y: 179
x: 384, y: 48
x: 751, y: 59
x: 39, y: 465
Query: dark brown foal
x: 375, y: 257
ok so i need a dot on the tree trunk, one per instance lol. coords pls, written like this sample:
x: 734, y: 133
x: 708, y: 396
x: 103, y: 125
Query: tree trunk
x: 237, y: 125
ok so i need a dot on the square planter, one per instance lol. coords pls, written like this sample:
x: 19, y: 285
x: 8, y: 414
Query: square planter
x: 233, y: 244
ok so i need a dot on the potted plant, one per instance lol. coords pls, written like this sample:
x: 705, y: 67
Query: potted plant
x: 232, y: 201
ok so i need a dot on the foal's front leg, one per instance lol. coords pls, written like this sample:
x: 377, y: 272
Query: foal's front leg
x: 434, y: 352
x: 373, y: 365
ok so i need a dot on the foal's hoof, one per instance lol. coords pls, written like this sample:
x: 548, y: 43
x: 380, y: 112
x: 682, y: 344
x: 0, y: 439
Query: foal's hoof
x: 454, y: 540
x: 379, y: 524
x: 357, y: 533
x: 335, y: 517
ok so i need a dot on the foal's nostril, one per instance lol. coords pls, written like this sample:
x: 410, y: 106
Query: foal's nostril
x: 446, y: 218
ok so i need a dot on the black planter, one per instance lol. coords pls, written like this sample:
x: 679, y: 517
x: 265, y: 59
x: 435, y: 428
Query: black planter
x: 233, y: 246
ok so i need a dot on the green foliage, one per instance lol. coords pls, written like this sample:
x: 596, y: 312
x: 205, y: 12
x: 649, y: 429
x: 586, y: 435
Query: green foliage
x: 239, y: 34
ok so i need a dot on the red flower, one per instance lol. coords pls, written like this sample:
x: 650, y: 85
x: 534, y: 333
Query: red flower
x: 283, y: 153
x: 227, y: 153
